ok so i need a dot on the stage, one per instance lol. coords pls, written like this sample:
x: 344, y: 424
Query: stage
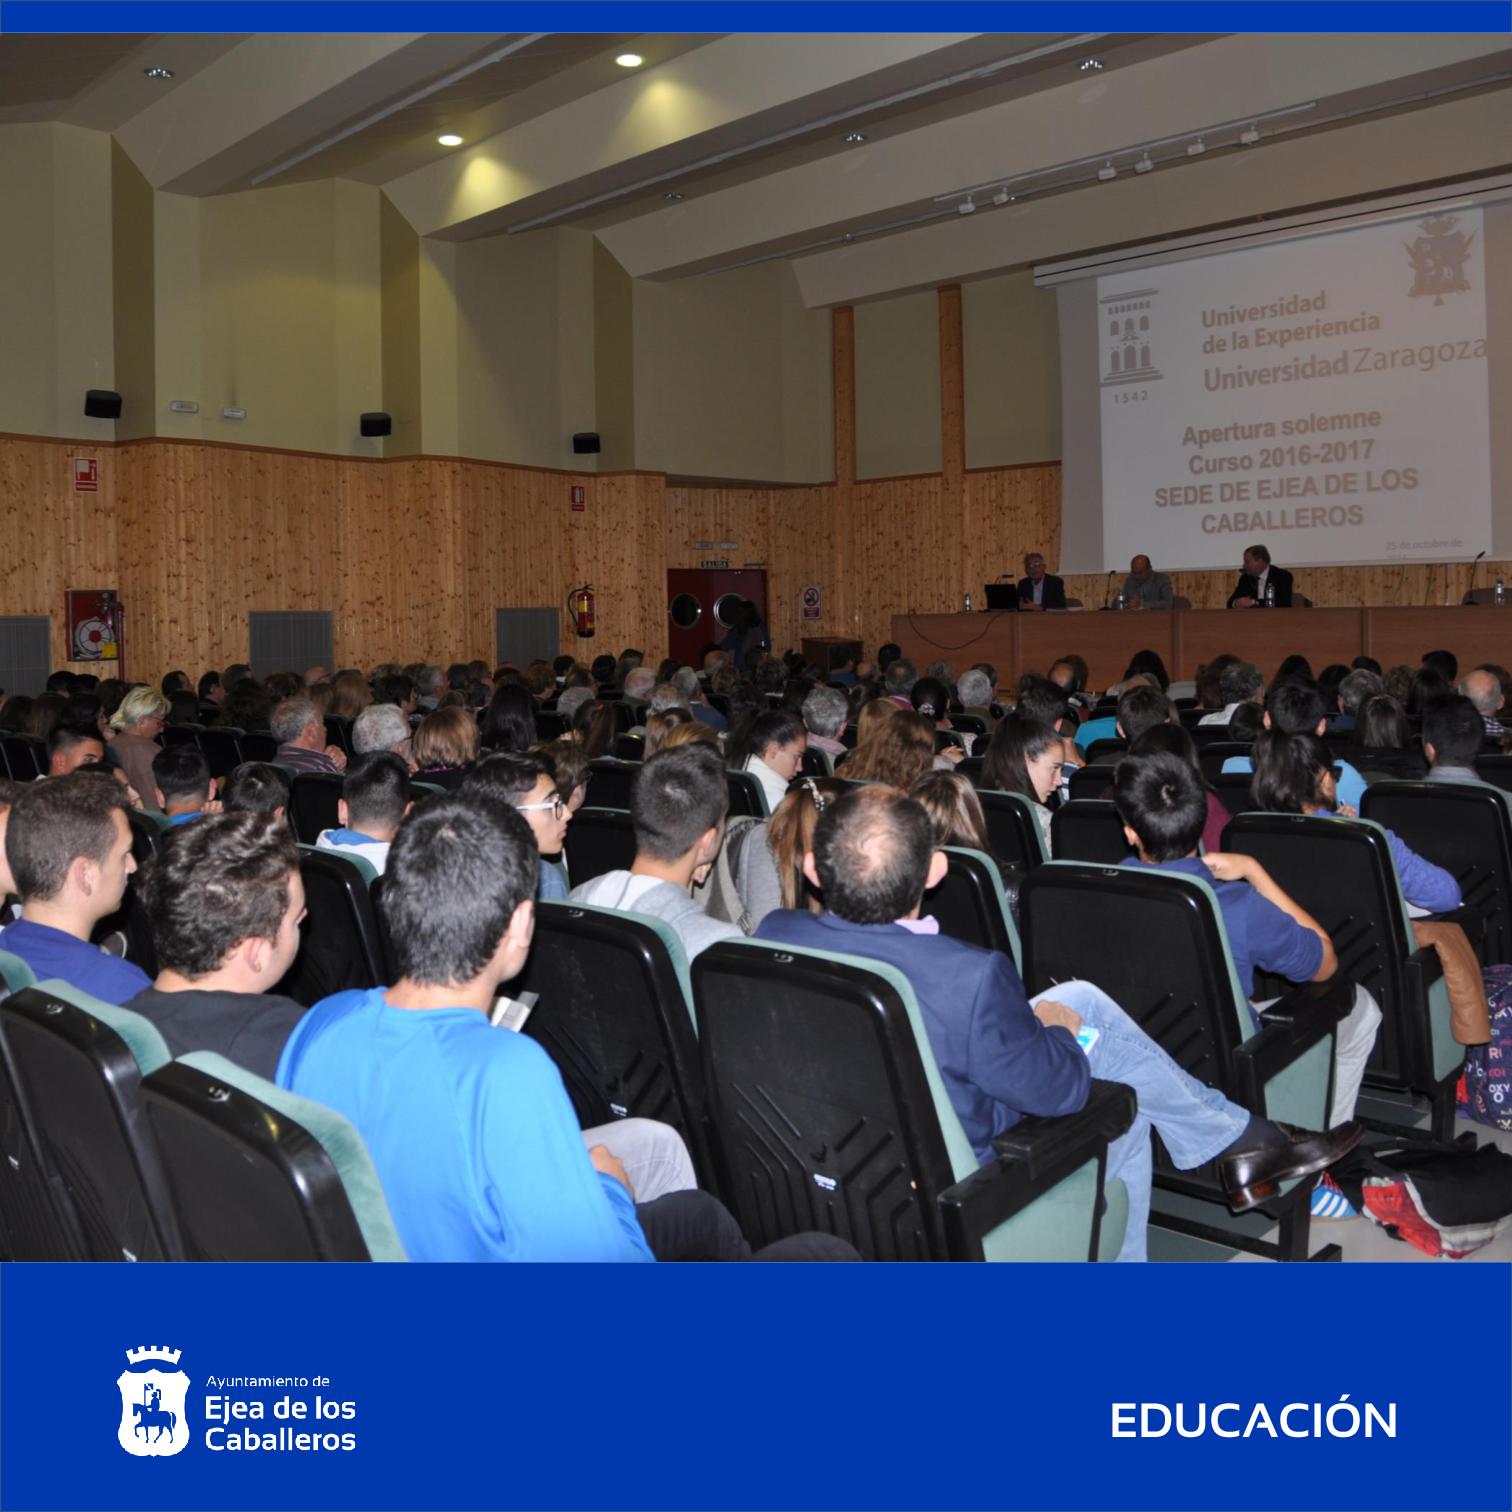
x: 1030, y: 642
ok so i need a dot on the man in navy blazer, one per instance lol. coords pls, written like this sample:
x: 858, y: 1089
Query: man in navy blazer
x: 1039, y: 589
x: 1001, y: 1056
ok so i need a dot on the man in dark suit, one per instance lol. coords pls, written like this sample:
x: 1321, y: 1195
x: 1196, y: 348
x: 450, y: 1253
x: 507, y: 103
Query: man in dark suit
x: 1001, y: 1056
x: 1039, y: 589
x: 1257, y: 581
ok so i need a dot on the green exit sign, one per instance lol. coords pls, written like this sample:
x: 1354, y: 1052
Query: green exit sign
x: 715, y: 562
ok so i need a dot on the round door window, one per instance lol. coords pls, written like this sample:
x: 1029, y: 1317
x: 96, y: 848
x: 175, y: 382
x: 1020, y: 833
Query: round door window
x: 725, y: 608
x: 685, y: 611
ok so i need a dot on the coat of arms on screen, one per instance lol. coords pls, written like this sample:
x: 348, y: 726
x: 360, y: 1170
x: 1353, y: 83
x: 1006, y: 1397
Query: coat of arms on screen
x: 153, y: 1420
x: 1128, y: 353
x: 1438, y: 258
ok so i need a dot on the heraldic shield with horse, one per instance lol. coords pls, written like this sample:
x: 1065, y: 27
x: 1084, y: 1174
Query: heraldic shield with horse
x: 153, y: 1391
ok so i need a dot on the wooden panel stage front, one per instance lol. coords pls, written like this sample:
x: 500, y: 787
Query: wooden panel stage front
x: 1185, y: 638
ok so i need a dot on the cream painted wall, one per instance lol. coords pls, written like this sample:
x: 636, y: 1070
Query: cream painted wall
x: 1012, y: 364
x: 271, y: 301
x: 898, y: 386
x: 56, y: 296
x: 732, y: 378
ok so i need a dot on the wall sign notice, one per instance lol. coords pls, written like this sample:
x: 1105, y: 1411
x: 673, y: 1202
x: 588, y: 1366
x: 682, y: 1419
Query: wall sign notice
x: 813, y: 602
x: 714, y: 562
x: 579, y: 496
x: 86, y: 471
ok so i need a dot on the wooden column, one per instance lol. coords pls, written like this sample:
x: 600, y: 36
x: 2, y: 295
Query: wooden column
x: 843, y: 349
x: 953, y: 445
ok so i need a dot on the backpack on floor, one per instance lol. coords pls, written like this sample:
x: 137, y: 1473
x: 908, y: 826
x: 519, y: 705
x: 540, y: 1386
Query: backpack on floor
x: 1485, y: 1088
x: 1447, y: 1203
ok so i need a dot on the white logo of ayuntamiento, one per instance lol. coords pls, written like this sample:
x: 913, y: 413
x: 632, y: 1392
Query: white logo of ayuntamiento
x: 153, y: 1419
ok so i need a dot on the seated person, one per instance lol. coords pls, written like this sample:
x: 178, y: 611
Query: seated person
x: 1025, y: 757
x: 1295, y: 774
x: 9, y: 792
x: 375, y: 797
x: 771, y: 748
x: 1483, y: 687
x: 527, y: 783
x: 1001, y: 1056
x: 301, y: 736
x: 1239, y: 682
x: 825, y: 713
x: 678, y: 803
x: 1160, y: 800
x: 71, y: 746
x: 69, y: 847
x: 382, y: 727
x: 1453, y: 733
x: 469, y: 1127
x: 225, y: 901
x: 1141, y: 708
x: 256, y: 787
x: 1299, y: 708
x: 182, y: 784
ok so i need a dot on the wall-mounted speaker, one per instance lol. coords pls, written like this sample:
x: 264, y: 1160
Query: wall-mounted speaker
x: 376, y: 423
x: 102, y: 404
x: 586, y: 441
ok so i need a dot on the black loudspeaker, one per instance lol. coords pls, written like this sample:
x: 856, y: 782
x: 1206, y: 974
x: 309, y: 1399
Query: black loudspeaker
x: 586, y: 441
x: 102, y: 404
x: 376, y: 423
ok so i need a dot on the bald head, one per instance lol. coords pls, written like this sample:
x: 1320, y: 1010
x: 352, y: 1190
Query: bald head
x: 872, y: 854
x: 1139, y: 568
x: 1484, y: 690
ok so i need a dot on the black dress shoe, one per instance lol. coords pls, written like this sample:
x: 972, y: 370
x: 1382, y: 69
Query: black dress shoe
x: 1255, y: 1175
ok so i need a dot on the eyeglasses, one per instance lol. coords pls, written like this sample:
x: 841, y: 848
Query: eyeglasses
x: 557, y: 807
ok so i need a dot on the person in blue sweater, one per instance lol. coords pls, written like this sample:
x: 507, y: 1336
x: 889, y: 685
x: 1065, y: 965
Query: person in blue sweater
x: 1001, y: 1056
x: 69, y: 847
x: 469, y: 1126
x: 1297, y: 707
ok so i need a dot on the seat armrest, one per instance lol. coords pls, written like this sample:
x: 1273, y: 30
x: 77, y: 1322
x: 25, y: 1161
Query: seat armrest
x: 1471, y: 920
x: 1035, y: 1155
x: 1288, y: 1029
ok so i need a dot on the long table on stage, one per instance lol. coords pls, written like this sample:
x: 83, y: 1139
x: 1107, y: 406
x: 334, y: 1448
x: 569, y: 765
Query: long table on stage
x: 1185, y: 638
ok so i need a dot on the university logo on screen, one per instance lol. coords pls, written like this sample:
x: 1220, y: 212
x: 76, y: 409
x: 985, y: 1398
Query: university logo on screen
x: 154, y: 1419
x: 1128, y: 350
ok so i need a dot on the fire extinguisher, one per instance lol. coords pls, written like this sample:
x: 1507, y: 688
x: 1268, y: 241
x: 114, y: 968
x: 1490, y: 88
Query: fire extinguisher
x: 580, y: 607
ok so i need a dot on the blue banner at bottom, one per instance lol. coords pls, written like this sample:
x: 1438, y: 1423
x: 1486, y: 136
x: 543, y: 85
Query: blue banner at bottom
x: 755, y: 1386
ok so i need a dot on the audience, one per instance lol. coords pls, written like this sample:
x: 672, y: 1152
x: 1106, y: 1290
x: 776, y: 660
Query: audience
x: 256, y: 787
x: 898, y: 751
x: 139, y: 721
x: 771, y: 748
x: 527, y: 783
x: 1002, y: 1056
x: 1239, y: 682
x: 182, y: 783
x: 375, y: 797
x: 301, y: 737
x: 382, y: 727
x: 825, y: 712
x: 445, y: 747
x: 225, y: 901
x: 1454, y: 731
x: 71, y: 746
x: 1484, y: 690
x: 68, y: 843
x: 1025, y: 758
x: 1299, y: 708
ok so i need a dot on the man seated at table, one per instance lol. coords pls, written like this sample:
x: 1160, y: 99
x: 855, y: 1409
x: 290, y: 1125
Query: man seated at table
x: 1144, y: 588
x: 1039, y: 589
x: 1260, y: 584
x: 1002, y: 1056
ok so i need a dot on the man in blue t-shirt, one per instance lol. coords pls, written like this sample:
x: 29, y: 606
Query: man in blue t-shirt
x: 69, y: 847
x: 1296, y: 707
x: 1161, y: 802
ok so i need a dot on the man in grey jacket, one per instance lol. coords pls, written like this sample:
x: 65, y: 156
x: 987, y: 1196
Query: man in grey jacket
x: 1144, y: 588
x: 678, y: 804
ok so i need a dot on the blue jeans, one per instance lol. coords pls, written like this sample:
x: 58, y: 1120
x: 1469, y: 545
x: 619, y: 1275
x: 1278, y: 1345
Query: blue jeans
x: 1195, y: 1121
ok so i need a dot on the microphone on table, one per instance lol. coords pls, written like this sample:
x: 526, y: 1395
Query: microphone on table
x: 1476, y: 563
x: 1108, y: 596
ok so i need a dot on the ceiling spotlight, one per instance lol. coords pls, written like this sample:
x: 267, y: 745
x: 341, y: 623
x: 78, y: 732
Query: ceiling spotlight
x: 673, y: 194
x: 1002, y: 197
x: 629, y: 60
x: 1197, y: 148
x: 1091, y: 65
x: 966, y: 206
x: 1144, y: 164
x: 450, y: 139
x: 1249, y: 137
x: 854, y: 138
x: 1107, y: 172
x: 157, y: 71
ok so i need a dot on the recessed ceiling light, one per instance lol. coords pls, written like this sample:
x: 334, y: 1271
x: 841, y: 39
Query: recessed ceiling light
x: 673, y: 194
x: 629, y: 60
x: 854, y: 138
x: 157, y: 71
x: 1091, y: 65
x: 450, y: 139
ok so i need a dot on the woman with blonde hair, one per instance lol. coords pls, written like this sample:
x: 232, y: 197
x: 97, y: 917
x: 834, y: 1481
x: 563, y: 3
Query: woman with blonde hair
x: 899, y: 752
x: 659, y: 727
x: 350, y: 695
x: 138, y: 723
x: 445, y: 747
x: 689, y: 732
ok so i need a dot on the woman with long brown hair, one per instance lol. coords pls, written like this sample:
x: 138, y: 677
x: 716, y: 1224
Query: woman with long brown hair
x: 899, y: 751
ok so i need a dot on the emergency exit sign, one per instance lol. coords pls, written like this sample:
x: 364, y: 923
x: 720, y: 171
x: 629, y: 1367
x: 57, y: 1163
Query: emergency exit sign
x: 714, y: 562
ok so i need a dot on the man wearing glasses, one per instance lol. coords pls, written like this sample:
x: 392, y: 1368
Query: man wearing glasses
x: 528, y: 784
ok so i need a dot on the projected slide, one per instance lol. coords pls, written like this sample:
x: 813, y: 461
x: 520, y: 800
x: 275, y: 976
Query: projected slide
x: 1327, y: 396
